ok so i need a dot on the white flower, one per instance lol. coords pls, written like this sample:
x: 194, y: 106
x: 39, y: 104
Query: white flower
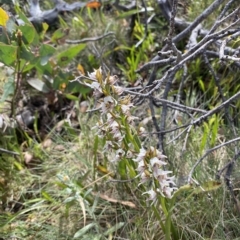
x: 167, y: 191
x: 111, y: 79
x: 170, y: 180
x: 101, y: 127
x: 110, y: 118
x: 141, y: 166
x: 152, y: 195
x: 160, y: 155
x: 144, y: 178
x: 129, y: 154
x: 160, y: 174
x: 114, y: 127
x: 119, y: 155
x: 107, y: 104
x: 118, y: 90
x: 97, y: 88
x: 118, y: 136
x: 166, y: 182
x: 108, y: 146
x: 141, y: 155
x: 130, y: 118
x: 152, y: 149
x: 93, y: 75
x: 94, y: 85
x: 157, y: 162
x: 126, y: 108
x: 142, y: 131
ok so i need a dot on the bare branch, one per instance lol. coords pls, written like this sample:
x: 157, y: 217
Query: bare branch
x: 92, y: 39
x: 198, y: 20
x: 207, y: 153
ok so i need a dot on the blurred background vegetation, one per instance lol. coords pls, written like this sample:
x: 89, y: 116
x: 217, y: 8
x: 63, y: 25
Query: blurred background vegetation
x: 56, y: 182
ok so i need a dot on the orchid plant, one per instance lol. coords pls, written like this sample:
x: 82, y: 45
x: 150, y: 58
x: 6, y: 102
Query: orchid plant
x: 116, y: 127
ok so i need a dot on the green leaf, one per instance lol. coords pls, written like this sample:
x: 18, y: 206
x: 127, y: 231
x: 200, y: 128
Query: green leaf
x: 45, y: 26
x: 44, y: 69
x: 26, y: 54
x: 46, y: 51
x: 214, y: 131
x: 204, y: 136
x: 18, y: 166
x: 11, y: 26
x: 44, y: 60
x: 67, y: 56
x: 8, y: 89
x: 31, y: 64
x: 4, y: 36
x: 122, y: 170
x: 207, y: 186
x: 28, y: 33
x: 95, y: 145
x: 22, y: 15
x: 59, y: 34
x: 137, y: 141
x: 71, y: 97
x: 69, y: 199
x: 59, y: 79
x: 8, y: 54
x: 201, y: 83
x: 83, y: 230
x: 39, y: 85
x: 47, y: 196
x: 212, y: 120
x: 183, y: 189
x: 75, y: 87
x: 114, y: 228
x: 93, y: 237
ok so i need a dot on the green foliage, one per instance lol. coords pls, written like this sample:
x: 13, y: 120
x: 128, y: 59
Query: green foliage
x: 67, y: 56
x: 20, y: 51
x: 138, y: 53
x: 210, y: 133
x: 8, y: 89
x: 73, y: 189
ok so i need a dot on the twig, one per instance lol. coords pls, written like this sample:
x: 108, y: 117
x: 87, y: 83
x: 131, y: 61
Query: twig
x: 180, y: 106
x: 227, y: 177
x: 155, y: 124
x: 7, y: 151
x: 217, y: 109
x: 92, y: 39
x: 193, y: 37
x: 198, y: 20
x: 158, y: 63
x: 217, y: 82
x: 188, y: 28
x: 180, y: 90
x: 179, y: 135
x: 185, y: 141
x: 207, y: 153
x: 222, y: 56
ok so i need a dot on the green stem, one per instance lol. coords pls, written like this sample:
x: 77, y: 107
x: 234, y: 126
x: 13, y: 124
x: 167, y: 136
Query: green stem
x: 156, y: 212
x: 18, y: 83
x: 130, y: 136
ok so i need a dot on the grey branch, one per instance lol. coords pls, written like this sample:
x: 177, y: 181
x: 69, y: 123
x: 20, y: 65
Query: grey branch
x: 207, y: 153
x: 92, y: 39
